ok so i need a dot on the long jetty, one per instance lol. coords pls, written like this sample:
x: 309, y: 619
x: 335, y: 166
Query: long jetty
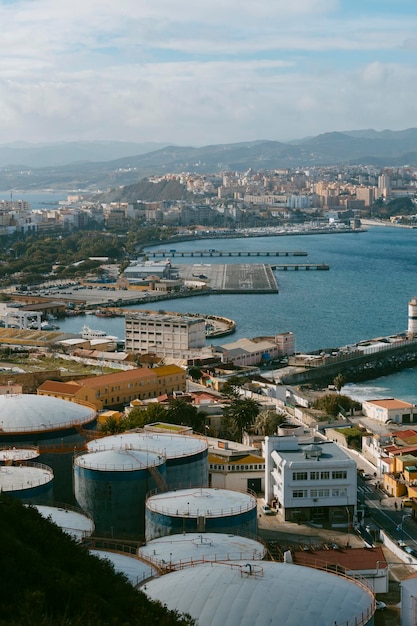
x: 226, y: 253
x: 284, y: 267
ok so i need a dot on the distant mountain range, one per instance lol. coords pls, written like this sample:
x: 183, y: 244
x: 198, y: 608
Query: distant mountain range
x: 107, y: 165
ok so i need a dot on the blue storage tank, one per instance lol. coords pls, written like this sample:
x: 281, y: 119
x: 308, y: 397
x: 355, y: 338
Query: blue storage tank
x: 111, y: 486
x: 27, y: 481
x: 186, y: 456
x: 200, y: 510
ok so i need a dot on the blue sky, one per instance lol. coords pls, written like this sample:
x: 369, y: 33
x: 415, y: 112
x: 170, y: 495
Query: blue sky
x: 197, y: 72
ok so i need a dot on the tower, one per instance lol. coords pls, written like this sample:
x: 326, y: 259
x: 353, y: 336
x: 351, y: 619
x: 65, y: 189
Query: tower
x: 412, y: 317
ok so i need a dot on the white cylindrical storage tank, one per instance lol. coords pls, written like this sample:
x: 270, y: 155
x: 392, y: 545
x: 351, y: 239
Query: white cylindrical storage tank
x: 412, y: 316
x: 263, y: 592
x: 71, y: 521
x: 9, y: 456
x: 136, y: 571
x: 287, y: 429
x: 200, y: 510
x: 111, y: 486
x: 27, y: 481
x: 177, y: 551
x: 186, y: 456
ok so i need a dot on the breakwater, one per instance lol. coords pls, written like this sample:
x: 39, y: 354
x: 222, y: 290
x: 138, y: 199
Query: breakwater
x: 359, y: 367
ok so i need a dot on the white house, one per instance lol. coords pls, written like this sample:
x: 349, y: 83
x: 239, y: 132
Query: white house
x: 390, y: 409
x: 309, y: 482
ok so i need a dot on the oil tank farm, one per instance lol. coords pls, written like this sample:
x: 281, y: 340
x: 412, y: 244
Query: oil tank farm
x: 11, y: 455
x: 74, y: 523
x: 178, y: 551
x: 186, y: 456
x: 200, y: 510
x: 53, y: 425
x: 27, y: 481
x: 264, y: 592
x: 111, y: 486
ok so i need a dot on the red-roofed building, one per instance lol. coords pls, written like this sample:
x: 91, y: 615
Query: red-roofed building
x: 390, y: 410
x: 356, y: 562
x: 120, y: 388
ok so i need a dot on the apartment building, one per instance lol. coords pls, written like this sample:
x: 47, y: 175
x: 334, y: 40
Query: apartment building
x: 120, y: 388
x: 309, y: 482
x: 164, y: 335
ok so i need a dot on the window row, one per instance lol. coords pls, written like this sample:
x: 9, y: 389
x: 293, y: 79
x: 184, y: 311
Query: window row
x: 237, y: 468
x: 319, y: 493
x: 324, y: 475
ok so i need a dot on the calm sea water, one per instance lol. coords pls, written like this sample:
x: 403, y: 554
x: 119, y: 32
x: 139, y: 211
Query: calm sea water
x: 37, y: 200
x: 365, y: 294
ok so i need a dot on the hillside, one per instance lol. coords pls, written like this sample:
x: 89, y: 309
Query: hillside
x: 148, y: 192
x: 368, y: 147
x: 50, y: 580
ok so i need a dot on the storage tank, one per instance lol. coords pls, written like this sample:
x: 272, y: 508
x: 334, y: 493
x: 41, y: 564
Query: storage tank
x: 186, y: 456
x: 263, y: 592
x: 27, y: 481
x: 200, y: 510
x: 177, y: 551
x: 74, y: 523
x: 288, y: 429
x: 11, y: 455
x: 111, y: 486
x: 136, y: 571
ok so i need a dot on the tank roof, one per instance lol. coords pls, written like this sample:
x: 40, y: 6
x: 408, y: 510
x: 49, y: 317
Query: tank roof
x: 18, y: 454
x: 189, y: 548
x: 137, y: 571
x: 25, y: 413
x: 119, y: 460
x: 71, y: 522
x: 25, y: 476
x: 204, y: 501
x: 256, y: 593
x: 170, y: 446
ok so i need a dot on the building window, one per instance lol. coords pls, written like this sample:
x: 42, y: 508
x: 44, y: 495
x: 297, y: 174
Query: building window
x: 299, y: 475
x: 299, y: 493
x: 314, y: 475
x: 338, y: 475
x: 323, y: 493
x: 337, y: 493
x: 313, y: 493
x: 324, y: 475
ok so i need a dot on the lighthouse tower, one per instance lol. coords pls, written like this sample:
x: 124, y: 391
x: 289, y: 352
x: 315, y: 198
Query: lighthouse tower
x: 412, y: 317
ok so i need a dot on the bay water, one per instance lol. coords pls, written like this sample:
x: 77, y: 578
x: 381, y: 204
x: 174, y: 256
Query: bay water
x: 365, y: 294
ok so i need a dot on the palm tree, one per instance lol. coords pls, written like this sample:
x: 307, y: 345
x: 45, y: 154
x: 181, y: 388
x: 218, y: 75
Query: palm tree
x: 242, y: 413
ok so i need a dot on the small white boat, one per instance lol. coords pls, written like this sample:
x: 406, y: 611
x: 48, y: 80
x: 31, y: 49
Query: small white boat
x: 90, y: 333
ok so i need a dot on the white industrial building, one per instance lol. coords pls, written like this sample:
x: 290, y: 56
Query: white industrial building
x: 390, y: 410
x: 164, y: 335
x: 307, y: 482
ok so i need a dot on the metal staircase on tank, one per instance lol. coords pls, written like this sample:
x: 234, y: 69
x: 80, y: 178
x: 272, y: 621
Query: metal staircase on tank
x: 158, y: 478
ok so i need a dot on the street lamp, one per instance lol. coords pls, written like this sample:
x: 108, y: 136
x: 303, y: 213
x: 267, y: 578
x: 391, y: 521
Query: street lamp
x: 400, y: 527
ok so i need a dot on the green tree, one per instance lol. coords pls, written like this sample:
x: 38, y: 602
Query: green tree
x: 242, y: 413
x: 181, y: 412
x: 139, y: 417
x: 339, y: 381
x: 267, y: 422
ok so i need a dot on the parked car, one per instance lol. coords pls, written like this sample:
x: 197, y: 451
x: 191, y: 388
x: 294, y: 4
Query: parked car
x: 411, y: 551
x: 266, y: 509
x: 380, y: 606
x: 407, y: 502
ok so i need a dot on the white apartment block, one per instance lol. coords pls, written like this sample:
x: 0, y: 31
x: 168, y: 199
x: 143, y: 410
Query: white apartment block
x: 164, y: 335
x: 308, y: 482
x: 390, y: 410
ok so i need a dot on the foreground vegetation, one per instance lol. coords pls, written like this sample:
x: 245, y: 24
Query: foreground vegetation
x: 50, y: 580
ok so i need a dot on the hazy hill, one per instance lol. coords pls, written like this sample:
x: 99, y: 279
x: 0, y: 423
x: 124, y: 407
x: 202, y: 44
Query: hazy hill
x: 63, y: 153
x: 385, y: 148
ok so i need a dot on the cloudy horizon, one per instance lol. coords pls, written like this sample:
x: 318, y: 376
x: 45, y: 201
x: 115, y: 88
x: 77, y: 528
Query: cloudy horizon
x: 193, y: 73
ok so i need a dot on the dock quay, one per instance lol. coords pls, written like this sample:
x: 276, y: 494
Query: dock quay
x: 232, y: 278
x: 299, y: 266
x: 226, y: 253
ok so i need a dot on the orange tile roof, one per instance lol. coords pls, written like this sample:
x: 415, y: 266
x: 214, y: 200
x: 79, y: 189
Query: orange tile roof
x: 404, y: 434
x: 118, y: 377
x: 391, y: 403
x: 53, y: 386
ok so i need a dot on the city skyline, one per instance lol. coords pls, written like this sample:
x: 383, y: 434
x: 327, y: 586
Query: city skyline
x: 204, y: 73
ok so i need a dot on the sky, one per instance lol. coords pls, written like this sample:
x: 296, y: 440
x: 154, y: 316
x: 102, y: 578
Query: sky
x: 200, y: 72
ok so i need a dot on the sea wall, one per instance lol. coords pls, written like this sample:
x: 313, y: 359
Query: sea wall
x: 359, y: 368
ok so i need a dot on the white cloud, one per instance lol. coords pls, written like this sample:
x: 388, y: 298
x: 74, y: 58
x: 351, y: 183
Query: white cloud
x: 201, y: 72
